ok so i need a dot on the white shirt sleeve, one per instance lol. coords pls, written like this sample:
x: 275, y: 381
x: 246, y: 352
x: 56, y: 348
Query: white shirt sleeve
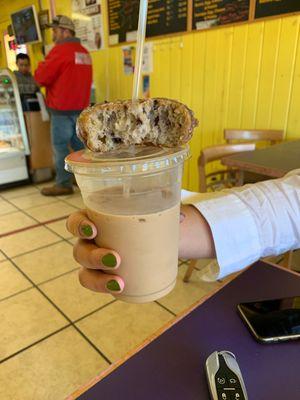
x: 251, y: 222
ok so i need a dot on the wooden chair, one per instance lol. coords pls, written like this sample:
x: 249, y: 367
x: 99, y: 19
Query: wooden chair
x: 227, y: 177
x: 272, y: 136
x: 269, y: 136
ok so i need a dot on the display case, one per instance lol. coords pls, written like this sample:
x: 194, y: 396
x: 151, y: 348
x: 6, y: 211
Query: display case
x: 14, y: 144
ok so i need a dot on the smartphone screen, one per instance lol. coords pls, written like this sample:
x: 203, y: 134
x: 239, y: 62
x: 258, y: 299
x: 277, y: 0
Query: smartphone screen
x: 273, y: 320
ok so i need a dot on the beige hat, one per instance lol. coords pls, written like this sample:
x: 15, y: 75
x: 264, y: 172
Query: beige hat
x: 62, y: 21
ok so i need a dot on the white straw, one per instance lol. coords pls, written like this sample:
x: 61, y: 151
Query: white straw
x: 141, y: 33
x: 140, y: 48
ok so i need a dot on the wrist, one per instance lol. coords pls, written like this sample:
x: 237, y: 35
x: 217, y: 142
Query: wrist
x: 196, y: 240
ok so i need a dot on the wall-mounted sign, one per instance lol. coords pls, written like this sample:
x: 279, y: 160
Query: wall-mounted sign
x: 266, y: 8
x: 87, y: 16
x: 164, y: 17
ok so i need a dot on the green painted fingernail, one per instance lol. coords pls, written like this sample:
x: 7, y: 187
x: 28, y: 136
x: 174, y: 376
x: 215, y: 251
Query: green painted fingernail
x: 113, y: 286
x: 109, y: 260
x: 86, y: 230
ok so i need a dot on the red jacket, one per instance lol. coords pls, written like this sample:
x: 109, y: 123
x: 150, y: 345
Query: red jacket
x: 67, y: 75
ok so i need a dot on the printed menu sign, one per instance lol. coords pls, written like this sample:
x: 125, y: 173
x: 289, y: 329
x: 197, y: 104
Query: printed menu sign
x: 87, y: 18
x: 208, y: 13
x: 266, y: 8
x: 164, y: 17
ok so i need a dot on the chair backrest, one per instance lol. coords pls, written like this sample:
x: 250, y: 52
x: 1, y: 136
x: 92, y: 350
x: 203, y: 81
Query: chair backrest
x: 270, y: 135
x: 216, y: 153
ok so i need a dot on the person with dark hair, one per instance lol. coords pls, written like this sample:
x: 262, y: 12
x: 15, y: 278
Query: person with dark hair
x: 26, y: 83
x: 67, y: 75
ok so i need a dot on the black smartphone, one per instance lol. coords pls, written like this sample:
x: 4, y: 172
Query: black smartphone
x: 272, y: 321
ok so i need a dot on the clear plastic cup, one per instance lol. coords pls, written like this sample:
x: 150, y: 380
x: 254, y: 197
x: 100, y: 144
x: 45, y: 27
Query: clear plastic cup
x: 133, y: 197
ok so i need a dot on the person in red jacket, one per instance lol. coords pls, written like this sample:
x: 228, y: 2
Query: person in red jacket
x: 66, y: 74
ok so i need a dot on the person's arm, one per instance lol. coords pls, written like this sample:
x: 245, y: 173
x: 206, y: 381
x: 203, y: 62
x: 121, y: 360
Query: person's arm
x: 251, y: 222
x: 48, y: 69
x: 196, y: 239
x: 238, y: 226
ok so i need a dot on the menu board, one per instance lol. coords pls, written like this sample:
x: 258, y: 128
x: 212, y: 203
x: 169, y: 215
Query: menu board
x: 167, y: 16
x: 164, y: 17
x: 122, y: 19
x: 266, y: 8
x: 208, y: 13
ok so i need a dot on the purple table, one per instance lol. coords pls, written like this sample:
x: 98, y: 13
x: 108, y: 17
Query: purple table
x: 172, y: 366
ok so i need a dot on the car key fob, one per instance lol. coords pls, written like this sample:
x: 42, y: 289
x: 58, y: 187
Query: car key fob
x: 224, y: 377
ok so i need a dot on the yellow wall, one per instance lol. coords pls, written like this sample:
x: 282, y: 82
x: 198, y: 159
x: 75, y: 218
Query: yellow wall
x: 246, y: 76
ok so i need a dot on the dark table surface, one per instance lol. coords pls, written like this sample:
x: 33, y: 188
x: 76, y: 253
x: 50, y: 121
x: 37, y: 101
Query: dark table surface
x: 274, y: 161
x: 172, y: 366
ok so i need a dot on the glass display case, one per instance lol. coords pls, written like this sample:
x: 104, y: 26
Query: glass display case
x: 14, y: 144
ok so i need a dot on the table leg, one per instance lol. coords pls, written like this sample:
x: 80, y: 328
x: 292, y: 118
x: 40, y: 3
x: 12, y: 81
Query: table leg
x: 240, y: 177
x: 190, y: 270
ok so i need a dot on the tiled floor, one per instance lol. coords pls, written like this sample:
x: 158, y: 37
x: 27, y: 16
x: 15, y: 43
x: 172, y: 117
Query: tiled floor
x: 54, y: 334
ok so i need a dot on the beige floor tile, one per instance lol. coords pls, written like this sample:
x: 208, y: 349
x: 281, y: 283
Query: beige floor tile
x: 15, y: 220
x: 20, y: 191
x: 186, y: 294
x: 26, y: 318
x: 32, y: 200
x: 73, y: 240
x: 202, y: 263
x: 60, y: 228
x: 2, y: 256
x: 45, y: 184
x: 120, y: 327
x: 73, y: 299
x: 49, y: 262
x: 51, y: 211
x: 50, y: 370
x: 31, y: 239
x: 75, y: 201
x: 11, y: 280
x: 68, y: 196
x: 6, y: 207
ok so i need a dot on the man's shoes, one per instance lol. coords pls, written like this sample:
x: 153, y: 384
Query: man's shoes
x: 57, y: 191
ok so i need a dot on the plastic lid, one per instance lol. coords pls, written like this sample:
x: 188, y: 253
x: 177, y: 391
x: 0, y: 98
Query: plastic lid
x: 132, y: 161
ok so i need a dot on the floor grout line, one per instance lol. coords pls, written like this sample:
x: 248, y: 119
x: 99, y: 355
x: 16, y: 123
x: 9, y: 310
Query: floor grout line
x: 8, y: 213
x: 45, y: 225
x: 19, y: 196
x: 165, y: 308
x: 94, y: 311
x: 61, y: 312
x: 37, y: 225
x: 38, y: 284
x: 38, y: 248
x: 16, y: 294
x: 34, y: 343
x: 55, y: 332
x: 20, y: 187
x: 57, y: 277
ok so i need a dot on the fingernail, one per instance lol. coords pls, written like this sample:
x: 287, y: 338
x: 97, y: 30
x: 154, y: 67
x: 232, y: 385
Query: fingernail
x: 86, y: 230
x: 109, y: 260
x: 182, y: 216
x: 113, y: 285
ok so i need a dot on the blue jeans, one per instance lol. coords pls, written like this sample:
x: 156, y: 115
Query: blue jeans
x: 63, y: 136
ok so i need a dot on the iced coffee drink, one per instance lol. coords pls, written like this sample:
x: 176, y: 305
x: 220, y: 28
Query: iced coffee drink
x: 147, y: 243
x: 137, y: 215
